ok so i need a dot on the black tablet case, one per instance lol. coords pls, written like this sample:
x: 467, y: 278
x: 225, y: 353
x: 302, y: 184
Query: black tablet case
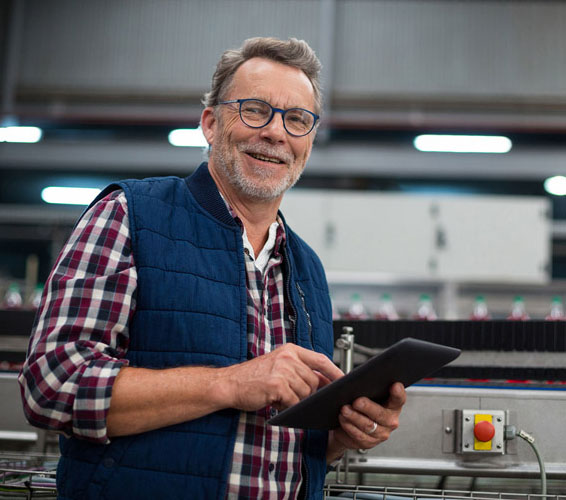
x: 407, y: 361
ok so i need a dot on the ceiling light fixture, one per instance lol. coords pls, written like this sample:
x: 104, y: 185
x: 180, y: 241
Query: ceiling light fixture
x: 20, y: 134
x: 463, y: 143
x: 555, y: 185
x: 188, y: 137
x: 69, y: 195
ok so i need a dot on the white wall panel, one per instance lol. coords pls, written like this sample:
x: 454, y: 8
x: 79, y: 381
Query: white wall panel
x: 469, y: 239
x: 492, y: 238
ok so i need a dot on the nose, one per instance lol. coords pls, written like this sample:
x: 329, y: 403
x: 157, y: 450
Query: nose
x: 274, y: 131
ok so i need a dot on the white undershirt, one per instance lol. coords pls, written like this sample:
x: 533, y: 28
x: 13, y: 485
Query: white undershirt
x: 263, y: 257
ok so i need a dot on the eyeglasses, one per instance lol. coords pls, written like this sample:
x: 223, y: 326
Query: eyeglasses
x: 256, y: 113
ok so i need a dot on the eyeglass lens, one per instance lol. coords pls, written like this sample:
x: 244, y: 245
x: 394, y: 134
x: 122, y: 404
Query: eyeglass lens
x: 257, y: 113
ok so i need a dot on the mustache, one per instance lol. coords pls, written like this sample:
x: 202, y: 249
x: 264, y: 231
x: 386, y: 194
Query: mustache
x: 266, y: 150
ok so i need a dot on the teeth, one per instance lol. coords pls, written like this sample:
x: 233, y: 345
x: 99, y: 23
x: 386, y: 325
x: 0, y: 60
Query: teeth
x: 264, y: 158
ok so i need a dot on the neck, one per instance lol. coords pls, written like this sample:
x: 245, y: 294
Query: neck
x: 256, y: 215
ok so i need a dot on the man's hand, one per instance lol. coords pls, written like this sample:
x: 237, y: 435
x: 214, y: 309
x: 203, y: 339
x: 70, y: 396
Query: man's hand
x: 365, y: 424
x: 280, y: 378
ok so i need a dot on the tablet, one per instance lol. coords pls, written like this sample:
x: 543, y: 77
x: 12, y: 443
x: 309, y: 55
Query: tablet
x: 407, y: 361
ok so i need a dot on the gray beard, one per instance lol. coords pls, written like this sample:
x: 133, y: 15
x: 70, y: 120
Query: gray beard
x: 253, y: 190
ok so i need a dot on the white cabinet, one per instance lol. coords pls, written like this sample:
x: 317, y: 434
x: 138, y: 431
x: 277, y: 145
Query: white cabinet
x: 475, y: 239
x: 493, y: 238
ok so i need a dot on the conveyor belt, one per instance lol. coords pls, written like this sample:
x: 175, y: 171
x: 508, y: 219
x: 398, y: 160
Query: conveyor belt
x: 503, y: 340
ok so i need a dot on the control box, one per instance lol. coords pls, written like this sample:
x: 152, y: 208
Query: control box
x: 482, y: 431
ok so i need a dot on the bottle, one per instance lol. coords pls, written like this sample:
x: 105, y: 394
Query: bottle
x: 335, y: 313
x: 556, y: 310
x: 13, y: 297
x: 425, y: 310
x: 386, y: 309
x: 356, y: 310
x: 518, y: 311
x: 480, y: 312
x: 35, y: 298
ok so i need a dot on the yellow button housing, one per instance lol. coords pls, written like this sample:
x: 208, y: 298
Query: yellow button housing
x: 482, y: 445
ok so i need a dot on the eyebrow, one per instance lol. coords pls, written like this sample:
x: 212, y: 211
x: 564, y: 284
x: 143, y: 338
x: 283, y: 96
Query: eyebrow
x: 287, y: 107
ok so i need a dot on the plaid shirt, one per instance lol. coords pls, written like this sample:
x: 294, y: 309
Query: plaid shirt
x: 81, y: 336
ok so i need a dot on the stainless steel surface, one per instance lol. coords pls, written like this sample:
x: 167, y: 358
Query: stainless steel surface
x: 346, y: 345
x: 29, y: 475
x: 402, y: 493
x: 419, y: 445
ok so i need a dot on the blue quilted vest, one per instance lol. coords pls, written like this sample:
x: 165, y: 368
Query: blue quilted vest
x: 191, y: 309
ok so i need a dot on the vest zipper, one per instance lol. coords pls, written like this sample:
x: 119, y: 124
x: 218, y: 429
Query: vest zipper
x: 292, y: 319
x: 305, y: 487
x: 302, y: 295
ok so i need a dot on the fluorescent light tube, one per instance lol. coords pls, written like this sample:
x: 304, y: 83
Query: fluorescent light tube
x: 69, y: 195
x: 20, y: 134
x: 556, y: 185
x: 188, y: 137
x: 463, y: 143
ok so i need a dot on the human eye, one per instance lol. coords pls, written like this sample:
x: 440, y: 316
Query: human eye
x: 255, y: 108
x: 299, y: 117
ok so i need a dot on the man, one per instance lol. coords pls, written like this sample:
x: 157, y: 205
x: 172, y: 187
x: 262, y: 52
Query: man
x: 183, y: 313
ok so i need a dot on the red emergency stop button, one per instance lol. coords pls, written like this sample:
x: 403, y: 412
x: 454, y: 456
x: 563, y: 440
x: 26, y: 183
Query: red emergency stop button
x: 484, y: 431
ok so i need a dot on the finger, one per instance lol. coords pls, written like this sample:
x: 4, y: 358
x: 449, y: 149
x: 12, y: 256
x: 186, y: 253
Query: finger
x: 385, y: 417
x: 397, y: 397
x: 302, y: 388
x: 319, y: 362
x: 296, y: 372
x: 283, y: 394
x: 345, y: 440
x: 359, y: 420
x: 322, y: 379
x: 359, y: 438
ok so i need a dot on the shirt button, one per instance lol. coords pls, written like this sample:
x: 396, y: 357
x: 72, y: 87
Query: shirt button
x: 271, y: 467
x: 108, y: 462
x: 273, y: 412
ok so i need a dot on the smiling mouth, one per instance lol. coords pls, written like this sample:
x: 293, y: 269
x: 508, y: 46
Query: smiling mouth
x: 269, y: 159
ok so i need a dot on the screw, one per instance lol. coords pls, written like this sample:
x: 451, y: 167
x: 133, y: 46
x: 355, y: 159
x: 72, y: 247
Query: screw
x: 499, y: 419
x: 448, y: 430
x: 467, y: 419
x: 467, y: 445
x: 498, y: 446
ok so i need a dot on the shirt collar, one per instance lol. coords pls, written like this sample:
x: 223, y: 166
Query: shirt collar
x: 276, y: 238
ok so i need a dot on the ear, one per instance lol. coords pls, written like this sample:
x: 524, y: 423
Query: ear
x: 208, y: 124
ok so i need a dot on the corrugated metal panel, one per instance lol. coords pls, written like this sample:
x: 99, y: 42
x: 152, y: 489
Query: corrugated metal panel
x: 384, y: 49
x: 147, y: 45
x: 451, y: 48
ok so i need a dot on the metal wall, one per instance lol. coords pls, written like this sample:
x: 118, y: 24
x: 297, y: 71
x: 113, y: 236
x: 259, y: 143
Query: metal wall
x: 436, y: 48
x: 508, y: 51
x: 146, y: 46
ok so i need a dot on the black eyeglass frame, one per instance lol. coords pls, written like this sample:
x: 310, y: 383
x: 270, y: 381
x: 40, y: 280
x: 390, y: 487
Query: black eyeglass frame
x: 273, y: 111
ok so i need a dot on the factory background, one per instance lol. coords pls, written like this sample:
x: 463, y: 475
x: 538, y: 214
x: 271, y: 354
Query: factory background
x: 106, y: 82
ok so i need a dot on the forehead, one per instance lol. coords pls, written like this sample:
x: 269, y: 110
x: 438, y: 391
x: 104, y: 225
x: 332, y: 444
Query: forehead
x: 281, y: 85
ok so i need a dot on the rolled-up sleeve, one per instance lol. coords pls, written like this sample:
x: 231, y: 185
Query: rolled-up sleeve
x: 80, y: 335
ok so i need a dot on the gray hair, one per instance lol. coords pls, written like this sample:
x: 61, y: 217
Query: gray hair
x: 292, y: 52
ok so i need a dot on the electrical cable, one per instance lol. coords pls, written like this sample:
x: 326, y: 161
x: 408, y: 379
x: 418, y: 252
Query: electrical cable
x: 510, y: 433
x: 531, y: 440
